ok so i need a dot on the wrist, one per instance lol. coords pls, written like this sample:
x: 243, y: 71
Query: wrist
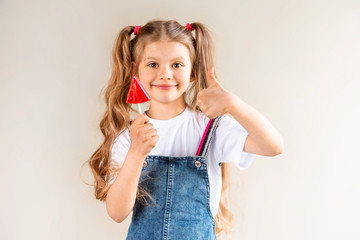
x: 234, y: 103
x: 136, y: 155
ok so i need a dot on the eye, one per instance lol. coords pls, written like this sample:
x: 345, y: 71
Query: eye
x: 177, y: 65
x: 153, y: 65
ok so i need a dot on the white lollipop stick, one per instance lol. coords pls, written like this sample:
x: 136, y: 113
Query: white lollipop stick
x: 139, y: 108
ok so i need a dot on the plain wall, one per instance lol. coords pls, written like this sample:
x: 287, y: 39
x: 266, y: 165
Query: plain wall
x: 297, y: 62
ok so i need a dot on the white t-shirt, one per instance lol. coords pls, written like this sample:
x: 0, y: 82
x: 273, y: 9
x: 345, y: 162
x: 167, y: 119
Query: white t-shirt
x: 181, y: 136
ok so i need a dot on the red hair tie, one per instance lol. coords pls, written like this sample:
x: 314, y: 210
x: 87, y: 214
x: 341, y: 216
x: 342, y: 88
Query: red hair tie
x: 136, y: 29
x: 188, y: 26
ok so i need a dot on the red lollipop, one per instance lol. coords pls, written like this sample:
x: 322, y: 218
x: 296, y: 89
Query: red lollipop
x: 137, y: 93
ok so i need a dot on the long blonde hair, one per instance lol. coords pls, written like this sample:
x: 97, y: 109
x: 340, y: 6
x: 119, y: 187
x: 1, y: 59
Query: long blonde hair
x: 117, y: 114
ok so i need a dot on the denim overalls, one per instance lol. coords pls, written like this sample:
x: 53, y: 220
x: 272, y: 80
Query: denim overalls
x: 180, y: 191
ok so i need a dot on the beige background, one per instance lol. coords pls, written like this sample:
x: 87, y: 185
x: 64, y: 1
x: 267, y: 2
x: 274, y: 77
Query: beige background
x: 295, y: 61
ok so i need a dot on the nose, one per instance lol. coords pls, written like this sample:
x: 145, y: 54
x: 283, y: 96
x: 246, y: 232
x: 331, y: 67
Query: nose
x: 165, y: 73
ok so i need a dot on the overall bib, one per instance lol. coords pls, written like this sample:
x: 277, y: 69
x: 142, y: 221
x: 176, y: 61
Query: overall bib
x: 179, y: 207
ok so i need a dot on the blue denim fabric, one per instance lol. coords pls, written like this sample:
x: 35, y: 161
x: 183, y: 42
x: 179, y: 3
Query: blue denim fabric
x: 180, y: 208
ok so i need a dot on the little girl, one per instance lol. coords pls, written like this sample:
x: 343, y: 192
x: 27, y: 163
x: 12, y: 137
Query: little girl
x: 165, y: 166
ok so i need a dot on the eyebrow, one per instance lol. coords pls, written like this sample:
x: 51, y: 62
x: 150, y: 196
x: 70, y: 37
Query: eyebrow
x: 178, y: 58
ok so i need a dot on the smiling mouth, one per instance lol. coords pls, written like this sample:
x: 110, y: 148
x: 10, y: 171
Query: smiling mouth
x: 164, y: 87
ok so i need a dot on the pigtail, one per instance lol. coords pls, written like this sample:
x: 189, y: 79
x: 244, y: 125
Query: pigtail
x: 224, y: 217
x: 119, y: 84
x: 116, y: 117
x: 204, y: 59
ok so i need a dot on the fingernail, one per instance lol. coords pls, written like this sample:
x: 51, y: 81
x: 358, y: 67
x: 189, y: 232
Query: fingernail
x: 211, y: 70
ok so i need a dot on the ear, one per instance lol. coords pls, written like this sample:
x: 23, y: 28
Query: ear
x: 192, y: 77
x: 133, y: 68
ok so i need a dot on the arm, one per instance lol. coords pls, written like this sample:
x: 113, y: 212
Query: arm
x: 263, y: 138
x: 121, y: 196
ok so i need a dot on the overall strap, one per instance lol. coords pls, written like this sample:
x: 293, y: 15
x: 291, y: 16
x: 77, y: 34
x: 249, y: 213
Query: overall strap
x: 207, y: 136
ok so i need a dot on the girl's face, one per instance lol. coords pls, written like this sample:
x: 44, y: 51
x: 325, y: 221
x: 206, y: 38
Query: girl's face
x: 165, y: 72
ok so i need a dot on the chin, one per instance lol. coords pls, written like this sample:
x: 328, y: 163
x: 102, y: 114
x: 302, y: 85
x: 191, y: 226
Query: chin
x: 166, y: 100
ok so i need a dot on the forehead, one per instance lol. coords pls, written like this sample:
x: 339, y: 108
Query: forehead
x: 165, y: 50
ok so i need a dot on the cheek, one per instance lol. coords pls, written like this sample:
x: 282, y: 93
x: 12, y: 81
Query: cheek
x: 145, y: 76
x: 185, y: 76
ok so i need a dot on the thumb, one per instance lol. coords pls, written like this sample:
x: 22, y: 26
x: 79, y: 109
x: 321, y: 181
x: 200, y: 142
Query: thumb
x: 141, y: 119
x: 211, y: 77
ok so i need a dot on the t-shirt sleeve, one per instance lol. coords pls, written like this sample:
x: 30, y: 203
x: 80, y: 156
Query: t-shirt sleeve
x: 230, y: 139
x: 119, y: 149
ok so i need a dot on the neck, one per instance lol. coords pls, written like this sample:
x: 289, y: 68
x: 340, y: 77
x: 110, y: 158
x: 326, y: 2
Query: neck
x: 165, y: 111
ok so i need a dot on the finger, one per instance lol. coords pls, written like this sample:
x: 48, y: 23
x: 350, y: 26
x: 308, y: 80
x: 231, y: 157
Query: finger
x: 211, y: 77
x: 146, y: 128
x: 141, y: 119
x: 198, y: 103
x: 151, y: 132
x: 199, y: 98
x: 149, y: 135
x: 154, y: 140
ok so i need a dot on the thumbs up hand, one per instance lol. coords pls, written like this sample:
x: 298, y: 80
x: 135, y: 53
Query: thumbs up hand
x: 215, y: 100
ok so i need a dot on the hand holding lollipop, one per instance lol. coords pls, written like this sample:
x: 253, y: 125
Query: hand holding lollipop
x: 140, y: 128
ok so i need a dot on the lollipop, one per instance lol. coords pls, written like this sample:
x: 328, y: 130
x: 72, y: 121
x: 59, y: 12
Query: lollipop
x: 137, y: 93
